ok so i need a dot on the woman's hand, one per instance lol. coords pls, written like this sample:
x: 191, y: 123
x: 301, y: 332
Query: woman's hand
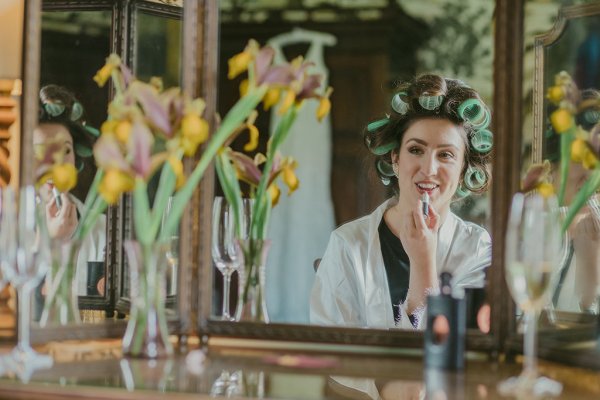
x: 586, y: 243
x: 62, y: 221
x: 418, y: 235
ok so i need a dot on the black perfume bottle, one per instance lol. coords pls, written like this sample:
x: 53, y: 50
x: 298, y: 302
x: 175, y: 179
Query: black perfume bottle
x: 445, y: 338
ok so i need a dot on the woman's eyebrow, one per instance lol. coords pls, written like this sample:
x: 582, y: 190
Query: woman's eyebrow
x: 424, y: 143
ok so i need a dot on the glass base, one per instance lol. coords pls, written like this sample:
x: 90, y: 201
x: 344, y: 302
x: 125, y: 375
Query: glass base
x: 23, y: 362
x: 530, y: 385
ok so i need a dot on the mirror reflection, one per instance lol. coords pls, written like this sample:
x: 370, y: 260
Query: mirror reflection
x: 157, y: 53
x: 72, y: 108
x: 570, y: 122
x: 364, y: 53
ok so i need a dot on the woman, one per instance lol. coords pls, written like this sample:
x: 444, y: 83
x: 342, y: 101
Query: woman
x: 62, y: 132
x: 378, y: 270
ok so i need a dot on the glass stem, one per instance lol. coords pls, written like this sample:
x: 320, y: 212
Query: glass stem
x: 24, y: 303
x: 530, y: 350
x: 226, y: 286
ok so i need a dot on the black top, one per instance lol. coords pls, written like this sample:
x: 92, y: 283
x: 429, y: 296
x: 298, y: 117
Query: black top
x: 397, y: 266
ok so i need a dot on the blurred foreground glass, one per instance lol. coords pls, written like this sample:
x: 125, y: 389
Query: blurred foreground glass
x: 533, y: 253
x: 25, y: 249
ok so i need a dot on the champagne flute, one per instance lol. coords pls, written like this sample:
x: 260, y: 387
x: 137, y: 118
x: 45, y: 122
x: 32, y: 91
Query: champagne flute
x: 26, y: 258
x: 172, y: 254
x: 226, y: 251
x: 533, y: 253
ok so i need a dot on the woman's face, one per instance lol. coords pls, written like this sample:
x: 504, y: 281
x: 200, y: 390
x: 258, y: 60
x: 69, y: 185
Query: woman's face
x: 59, y: 137
x: 430, y: 159
x: 48, y: 133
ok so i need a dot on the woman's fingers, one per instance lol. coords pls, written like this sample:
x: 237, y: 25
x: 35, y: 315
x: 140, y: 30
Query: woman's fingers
x: 433, y: 218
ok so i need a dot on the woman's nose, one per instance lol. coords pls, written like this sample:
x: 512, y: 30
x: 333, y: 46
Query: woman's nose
x: 429, y: 165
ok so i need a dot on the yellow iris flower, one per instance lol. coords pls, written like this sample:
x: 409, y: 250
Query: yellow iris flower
x: 244, y: 87
x: 112, y: 62
x: 578, y: 150
x: 589, y: 160
x: 194, y: 131
x: 289, y: 177
x: 123, y: 131
x: 288, y: 101
x: 177, y: 166
x: 324, y: 105
x: 64, y: 176
x: 562, y: 120
x: 545, y: 189
x: 239, y: 63
x: 253, y: 142
x: 271, y: 98
x: 274, y: 194
x: 114, y: 183
x: 555, y: 94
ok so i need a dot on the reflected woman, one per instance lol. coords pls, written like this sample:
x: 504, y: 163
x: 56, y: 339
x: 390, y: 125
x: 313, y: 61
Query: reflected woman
x: 432, y: 149
x: 62, y: 133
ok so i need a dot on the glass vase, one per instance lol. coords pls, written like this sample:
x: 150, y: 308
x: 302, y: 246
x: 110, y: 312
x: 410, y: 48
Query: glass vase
x: 147, y: 334
x: 252, y: 303
x: 61, y: 306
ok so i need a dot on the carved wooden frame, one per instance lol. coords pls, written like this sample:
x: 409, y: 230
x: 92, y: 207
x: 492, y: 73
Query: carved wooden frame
x: 506, y: 125
x: 118, y: 215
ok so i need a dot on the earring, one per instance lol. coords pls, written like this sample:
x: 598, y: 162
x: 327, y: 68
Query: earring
x: 395, y: 168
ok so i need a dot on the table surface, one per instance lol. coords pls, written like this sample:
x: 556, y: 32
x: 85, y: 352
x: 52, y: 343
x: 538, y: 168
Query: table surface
x: 96, y: 370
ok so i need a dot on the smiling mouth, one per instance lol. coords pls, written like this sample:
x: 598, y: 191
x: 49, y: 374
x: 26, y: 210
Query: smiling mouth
x: 426, y: 187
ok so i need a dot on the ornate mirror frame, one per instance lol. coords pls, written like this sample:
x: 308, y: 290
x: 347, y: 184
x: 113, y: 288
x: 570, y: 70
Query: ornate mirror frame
x: 506, y: 121
x: 193, y: 27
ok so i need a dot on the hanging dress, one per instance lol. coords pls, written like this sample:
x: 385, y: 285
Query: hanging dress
x: 300, y: 225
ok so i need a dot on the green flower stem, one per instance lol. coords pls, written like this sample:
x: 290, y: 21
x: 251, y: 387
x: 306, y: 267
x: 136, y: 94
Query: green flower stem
x: 232, y: 120
x: 231, y: 188
x: 141, y: 213
x: 590, y: 186
x: 166, y: 187
x: 91, y: 201
x: 262, y: 208
x: 88, y: 219
x: 566, y: 139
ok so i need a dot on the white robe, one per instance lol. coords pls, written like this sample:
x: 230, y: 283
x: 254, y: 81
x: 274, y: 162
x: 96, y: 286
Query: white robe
x: 92, y: 249
x: 351, y: 287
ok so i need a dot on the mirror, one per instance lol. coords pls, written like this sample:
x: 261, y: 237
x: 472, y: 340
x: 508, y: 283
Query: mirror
x: 568, y: 48
x: 563, y: 38
x: 156, y: 51
x: 363, y: 48
x: 73, y: 40
x: 73, y: 44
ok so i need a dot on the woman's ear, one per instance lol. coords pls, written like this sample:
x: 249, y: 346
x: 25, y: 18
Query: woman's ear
x: 394, y: 155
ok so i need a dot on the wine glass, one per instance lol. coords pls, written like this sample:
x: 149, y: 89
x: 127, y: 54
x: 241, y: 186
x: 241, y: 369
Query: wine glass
x: 226, y: 251
x: 25, y: 249
x: 533, y: 253
x: 172, y: 253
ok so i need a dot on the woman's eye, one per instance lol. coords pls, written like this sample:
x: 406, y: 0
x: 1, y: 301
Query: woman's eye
x: 415, y: 150
x: 446, y: 155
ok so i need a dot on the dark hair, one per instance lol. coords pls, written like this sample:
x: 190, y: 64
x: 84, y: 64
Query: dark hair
x: 59, y: 106
x: 410, y: 104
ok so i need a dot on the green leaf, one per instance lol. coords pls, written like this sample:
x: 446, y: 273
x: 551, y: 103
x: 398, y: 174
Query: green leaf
x: 141, y: 212
x: 565, y: 158
x: 231, y: 189
x: 166, y: 187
